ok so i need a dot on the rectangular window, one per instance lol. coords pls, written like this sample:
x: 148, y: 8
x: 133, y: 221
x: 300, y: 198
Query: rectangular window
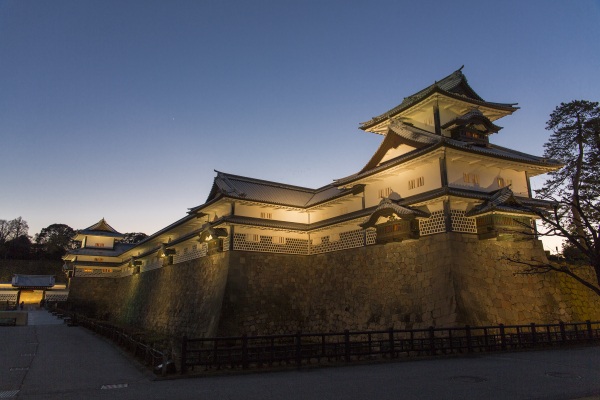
x: 383, y: 193
x: 471, y: 178
x: 195, y: 247
x: 411, y: 184
x: 278, y: 240
x: 252, y: 237
x: 266, y: 215
x: 420, y: 181
x: 99, y: 245
x: 504, y: 182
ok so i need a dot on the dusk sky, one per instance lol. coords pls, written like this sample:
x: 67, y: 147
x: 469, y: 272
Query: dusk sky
x: 124, y: 109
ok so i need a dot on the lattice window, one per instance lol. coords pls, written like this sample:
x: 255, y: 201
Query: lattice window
x: 415, y: 183
x: 265, y: 244
x: 278, y: 240
x: 502, y: 182
x: 347, y: 240
x: 226, y: 243
x: 266, y: 215
x: 434, y: 224
x: 252, y: 238
x: 384, y: 193
x: 460, y: 223
x: 471, y: 178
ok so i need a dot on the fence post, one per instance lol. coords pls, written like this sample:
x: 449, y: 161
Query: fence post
x: 502, y: 338
x: 163, y: 370
x: 183, y: 368
x: 391, y: 341
x: 469, y: 341
x: 432, y: 340
x: 347, y: 344
x: 245, y: 351
x: 299, y: 348
x: 563, y: 334
x: 590, y: 332
x: 533, y: 335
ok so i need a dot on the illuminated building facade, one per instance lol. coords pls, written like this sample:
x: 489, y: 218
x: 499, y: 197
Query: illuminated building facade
x: 434, y: 172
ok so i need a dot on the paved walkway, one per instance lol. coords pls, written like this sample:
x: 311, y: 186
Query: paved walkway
x: 54, y: 361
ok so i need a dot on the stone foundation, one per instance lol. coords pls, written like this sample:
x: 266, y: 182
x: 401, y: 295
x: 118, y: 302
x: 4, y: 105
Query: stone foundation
x: 440, y: 280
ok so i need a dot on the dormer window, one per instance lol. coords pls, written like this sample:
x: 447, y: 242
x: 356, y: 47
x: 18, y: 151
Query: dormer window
x: 471, y: 127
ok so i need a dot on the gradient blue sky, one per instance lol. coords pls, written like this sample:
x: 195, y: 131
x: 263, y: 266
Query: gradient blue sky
x: 123, y: 109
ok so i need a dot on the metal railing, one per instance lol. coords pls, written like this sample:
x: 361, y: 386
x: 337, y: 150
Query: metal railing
x: 321, y: 348
x: 158, y: 360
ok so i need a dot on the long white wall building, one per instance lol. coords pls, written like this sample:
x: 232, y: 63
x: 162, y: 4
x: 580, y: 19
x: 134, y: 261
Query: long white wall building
x: 435, y: 171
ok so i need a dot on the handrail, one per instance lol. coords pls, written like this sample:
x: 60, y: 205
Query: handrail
x: 318, y: 348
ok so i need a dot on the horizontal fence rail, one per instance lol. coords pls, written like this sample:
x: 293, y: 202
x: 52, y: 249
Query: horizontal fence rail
x: 300, y: 349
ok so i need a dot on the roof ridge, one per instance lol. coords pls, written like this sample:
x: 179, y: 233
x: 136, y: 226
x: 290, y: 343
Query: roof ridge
x: 269, y: 183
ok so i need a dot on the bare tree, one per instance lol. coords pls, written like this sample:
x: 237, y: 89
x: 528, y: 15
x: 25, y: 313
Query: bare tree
x: 575, y: 192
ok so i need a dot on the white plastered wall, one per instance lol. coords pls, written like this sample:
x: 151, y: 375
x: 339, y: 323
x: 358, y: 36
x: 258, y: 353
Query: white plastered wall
x: 399, y: 183
x: 332, y: 210
x: 279, y: 214
x: 488, y: 177
x: 99, y: 242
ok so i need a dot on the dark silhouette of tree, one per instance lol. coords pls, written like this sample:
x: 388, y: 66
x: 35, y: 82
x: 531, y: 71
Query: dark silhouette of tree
x: 19, y: 248
x: 11, y: 233
x: 54, y: 241
x: 134, y: 237
x: 575, y: 192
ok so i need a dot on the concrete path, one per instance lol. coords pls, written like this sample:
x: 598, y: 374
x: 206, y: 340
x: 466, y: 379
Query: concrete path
x: 42, y: 317
x: 60, y: 362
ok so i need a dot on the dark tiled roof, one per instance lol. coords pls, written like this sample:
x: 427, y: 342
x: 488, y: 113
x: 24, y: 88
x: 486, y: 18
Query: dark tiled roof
x: 251, y: 189
x: 501, y: 200
x: 267, y: 223
x: 100, y: 228
x: 433, y: 141
x: 388, y: 207
x: 454, y: 85
x: 469, y: 194
x: 472, y: 117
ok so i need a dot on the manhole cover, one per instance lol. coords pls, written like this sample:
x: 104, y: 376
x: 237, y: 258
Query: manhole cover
x: 563, y: 375
x: 468, y: 379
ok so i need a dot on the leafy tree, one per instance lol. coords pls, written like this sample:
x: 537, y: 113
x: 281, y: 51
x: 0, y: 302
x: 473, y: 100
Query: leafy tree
x: 134, y: 237
x: 55, y: 240
x: 574, y: 190
x: 19, y: 248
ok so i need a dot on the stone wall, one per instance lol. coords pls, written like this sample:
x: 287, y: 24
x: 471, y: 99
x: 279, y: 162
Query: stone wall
x: 181, y: 299
x: 439, y: 280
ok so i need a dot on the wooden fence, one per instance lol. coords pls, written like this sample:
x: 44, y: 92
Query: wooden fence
x: 320, y: 348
